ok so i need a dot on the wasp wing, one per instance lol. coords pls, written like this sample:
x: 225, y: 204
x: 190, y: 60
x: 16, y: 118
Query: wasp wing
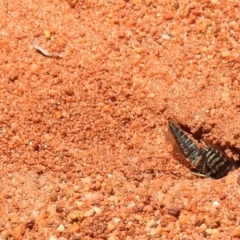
x: 178, y: 140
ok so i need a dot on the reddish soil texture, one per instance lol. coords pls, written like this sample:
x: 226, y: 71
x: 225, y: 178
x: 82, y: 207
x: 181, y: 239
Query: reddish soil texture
x: 82, y: 149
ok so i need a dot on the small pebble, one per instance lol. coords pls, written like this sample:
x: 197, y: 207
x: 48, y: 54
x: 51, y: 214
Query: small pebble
x: 111, y: 227
x: 60, y: 228
x: 59, y: 209
x: 79, y: 204
x: 113, y: 238
x: 151, y: 223
x: 138, y: 217
x: 58, y: 114
x: 225, y: 54
x: 89, y: 213
x: 215, y: 231
x: 209, y: 231
x: 74, y: 227
x: 47, y: 33
x: 166, y: 37
x: 69, y: 91
x: 131, y: 205
x: 52, y: 237
x: 236, y: 232
x: 153, y: 231
x: 13, y: 217
x: 34, y: 68
x: 216, y: 203
x: 116, y: 220
x: 174, y: 211
x: 148, y: 209
x: 151, y: 95
x: 97, y: 210
x: 233, y: 216
x: 75, y: 215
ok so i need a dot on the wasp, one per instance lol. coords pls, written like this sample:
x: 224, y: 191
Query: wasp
x: 203, y: 161
x: 216, y: 164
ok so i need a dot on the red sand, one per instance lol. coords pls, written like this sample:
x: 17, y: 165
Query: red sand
x: 83, y: 154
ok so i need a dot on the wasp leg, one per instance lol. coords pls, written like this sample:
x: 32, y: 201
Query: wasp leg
x: 197, y: 163
x: 204, y: 169
x: 199, y: 174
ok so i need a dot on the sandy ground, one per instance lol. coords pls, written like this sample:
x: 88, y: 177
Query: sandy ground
x: 82, y: 149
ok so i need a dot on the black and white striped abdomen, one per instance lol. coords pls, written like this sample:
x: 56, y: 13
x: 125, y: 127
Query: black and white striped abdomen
x: 188, y: 147
x: 218, y: 165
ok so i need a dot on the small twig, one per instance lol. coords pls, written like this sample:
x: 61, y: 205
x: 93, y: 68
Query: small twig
x: 44, y: 51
